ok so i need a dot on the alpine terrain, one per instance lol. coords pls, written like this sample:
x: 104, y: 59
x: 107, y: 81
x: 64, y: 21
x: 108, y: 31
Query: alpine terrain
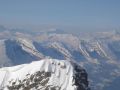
x: 98, y: 53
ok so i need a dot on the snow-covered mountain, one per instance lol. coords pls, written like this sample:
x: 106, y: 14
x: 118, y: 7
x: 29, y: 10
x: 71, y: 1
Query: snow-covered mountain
x: 47, y: 74
x: 98, y: 53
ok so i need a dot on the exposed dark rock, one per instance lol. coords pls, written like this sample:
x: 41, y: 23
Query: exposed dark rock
x: 33, y: 81
x: 80, y: 78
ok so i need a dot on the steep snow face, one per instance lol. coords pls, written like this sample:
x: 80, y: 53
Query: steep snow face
x: 47, y: 74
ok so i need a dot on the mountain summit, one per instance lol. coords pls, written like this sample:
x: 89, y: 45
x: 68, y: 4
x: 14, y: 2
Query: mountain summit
x: 47, y: 74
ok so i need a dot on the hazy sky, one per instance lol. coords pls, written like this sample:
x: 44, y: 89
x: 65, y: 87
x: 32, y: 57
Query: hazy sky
x: 79, y: 15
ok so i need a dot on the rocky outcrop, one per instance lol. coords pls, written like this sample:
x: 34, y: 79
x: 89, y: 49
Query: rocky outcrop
x: 80, y: 78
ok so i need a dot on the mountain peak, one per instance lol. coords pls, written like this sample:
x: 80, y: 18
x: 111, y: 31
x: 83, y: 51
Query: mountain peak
x: 44, y: 75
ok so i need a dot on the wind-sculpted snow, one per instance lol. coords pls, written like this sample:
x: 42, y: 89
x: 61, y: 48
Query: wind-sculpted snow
x: 45, y: 74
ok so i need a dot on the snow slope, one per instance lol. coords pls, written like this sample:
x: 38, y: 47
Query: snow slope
x: 47, y: 74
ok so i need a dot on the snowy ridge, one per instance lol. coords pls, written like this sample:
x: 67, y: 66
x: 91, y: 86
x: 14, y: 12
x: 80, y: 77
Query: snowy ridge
x: 60, y: 48
x: 29, y: 47
x: 45, y: 74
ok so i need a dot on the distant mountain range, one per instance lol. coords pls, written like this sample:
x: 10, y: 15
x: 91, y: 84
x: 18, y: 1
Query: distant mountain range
x: 98, y: 53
